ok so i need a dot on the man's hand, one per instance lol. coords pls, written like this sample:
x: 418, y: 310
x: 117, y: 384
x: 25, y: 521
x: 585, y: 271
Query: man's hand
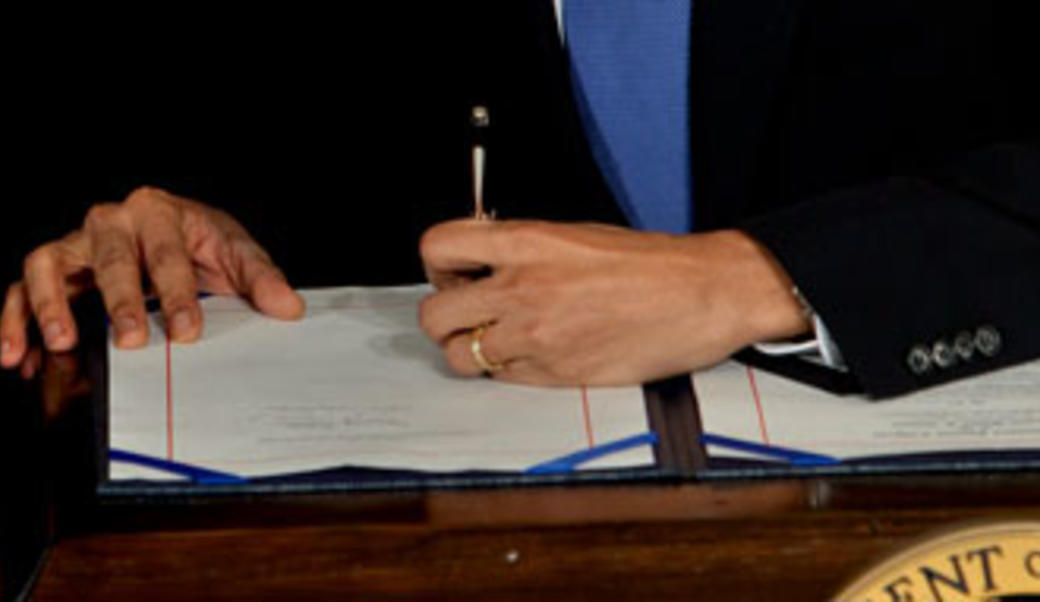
x: 181, y: 246
x: 600, y: 305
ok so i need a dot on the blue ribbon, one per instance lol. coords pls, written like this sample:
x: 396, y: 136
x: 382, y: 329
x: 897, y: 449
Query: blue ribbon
x: 794, y: 457
x: 570, y: 462
x: 195, y: 474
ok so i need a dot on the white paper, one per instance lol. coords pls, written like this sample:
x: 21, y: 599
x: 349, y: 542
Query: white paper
x: 999, y: 410
x: 354, y: 383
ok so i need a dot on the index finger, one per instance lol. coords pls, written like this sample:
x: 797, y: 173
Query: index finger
x: 461, y: 246
x: 13, y: 321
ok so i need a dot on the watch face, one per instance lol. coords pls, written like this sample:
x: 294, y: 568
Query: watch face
x: 995, y: 562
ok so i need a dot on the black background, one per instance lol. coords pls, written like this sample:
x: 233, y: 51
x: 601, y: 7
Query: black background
x: 335, y: 136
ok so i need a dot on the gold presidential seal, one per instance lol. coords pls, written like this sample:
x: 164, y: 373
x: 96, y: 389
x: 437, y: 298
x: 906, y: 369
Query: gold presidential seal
x: 996, y: 562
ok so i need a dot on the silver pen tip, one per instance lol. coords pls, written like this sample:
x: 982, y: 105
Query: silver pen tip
x: 480, y: 117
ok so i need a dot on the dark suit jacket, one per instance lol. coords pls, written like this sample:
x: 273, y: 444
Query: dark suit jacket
x: 885, y: 151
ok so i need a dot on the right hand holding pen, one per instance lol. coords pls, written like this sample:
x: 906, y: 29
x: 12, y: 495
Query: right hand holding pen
x: 181, y: 245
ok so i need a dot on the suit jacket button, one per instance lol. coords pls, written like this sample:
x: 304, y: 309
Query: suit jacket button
x: 943, y: 354
x: 919, y: 359
x: 988, y: 341
x: 964, y: 345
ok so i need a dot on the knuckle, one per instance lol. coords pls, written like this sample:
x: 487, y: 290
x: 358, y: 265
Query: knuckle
x: 114, y: 260
x: 527, y: 231
x: 247, y: 247
x: 102, y: 213
x: 144, y: 197
x: 540, y: 335
x: 47, y: 308
x: 38, y: 258
x: 535, y: 289
x: 166, y: 255
x: 124, y: 307
x: 431, y: 242
x: 197, y: 220
x: 15, y: 295
x: 512, y: 290
x: 519, y: 227
x: 12, y: 292
x: 177, y: 304
x: 521, y: 239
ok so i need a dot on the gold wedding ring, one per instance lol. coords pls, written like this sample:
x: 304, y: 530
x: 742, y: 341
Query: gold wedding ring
x: 478, y: 354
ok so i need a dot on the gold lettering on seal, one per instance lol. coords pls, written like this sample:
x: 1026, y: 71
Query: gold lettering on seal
x: 989, y: 561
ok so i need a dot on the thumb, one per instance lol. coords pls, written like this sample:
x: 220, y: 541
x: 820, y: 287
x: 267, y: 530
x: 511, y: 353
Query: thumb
x: 265, y: 286
x: 272, y: 295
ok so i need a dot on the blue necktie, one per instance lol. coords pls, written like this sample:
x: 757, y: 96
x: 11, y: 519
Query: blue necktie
x: 630, y: 65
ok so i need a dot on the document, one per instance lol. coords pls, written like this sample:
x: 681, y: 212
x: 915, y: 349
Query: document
x: 995, y: 411
x: 354, y: 383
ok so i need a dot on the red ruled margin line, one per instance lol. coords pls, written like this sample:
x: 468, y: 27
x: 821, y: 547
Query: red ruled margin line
x: 758, y: 405
x: 588, y: 415
x: 169, y: 400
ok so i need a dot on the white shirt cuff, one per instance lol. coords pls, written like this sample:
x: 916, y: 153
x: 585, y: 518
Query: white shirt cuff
x: 821, y: 349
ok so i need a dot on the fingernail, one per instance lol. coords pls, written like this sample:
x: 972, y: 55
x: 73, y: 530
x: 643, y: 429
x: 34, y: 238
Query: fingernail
x: 181, y: 323
x: 126, y: 324
x: 53, y: 332
x: 5, y: 347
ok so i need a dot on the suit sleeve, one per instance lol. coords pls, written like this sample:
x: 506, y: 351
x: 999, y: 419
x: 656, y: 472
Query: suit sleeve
x: 925, y: 279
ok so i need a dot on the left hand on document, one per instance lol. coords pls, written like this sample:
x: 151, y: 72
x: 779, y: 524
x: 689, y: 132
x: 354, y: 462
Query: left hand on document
x: 570, y: 304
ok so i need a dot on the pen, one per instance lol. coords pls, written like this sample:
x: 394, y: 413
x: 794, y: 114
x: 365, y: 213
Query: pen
x: 480, y: 119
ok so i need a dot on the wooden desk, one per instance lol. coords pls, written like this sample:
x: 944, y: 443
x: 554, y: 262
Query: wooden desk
x: 775, y: 541
x: 766, y: 540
